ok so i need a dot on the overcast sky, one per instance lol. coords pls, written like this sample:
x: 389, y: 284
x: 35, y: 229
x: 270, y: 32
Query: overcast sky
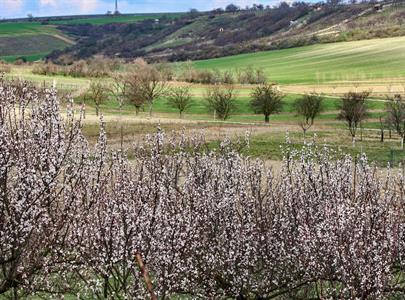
x: 20, y: 8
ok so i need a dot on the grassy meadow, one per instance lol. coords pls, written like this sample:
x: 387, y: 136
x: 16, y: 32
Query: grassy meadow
x: 25, y: 28
x: 345, y: 61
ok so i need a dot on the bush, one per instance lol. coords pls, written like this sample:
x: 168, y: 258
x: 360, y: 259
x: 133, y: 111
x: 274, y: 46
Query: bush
x: 206, y: 76
x: 89, y: 223
x: 4, y: 67
x: 252, y: 76
x: 48, y: 69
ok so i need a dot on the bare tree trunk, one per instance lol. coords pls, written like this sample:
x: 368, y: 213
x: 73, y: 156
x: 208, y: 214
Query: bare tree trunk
x: 150, y: 108
x: 267, y: 119
x: 145, y: 275
x: 382, y: 130
x: 122, y: 129
x: 105, y: 287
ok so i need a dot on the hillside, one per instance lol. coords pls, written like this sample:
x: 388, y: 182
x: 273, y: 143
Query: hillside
x: 222, y: 33
x: 345, y: 61
x: 31, y: 40
x: 36, y: 38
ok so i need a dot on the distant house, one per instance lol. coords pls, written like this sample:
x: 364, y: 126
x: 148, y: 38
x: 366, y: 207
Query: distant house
x: 157, y: 21
x: 293, y: 23
x: 378, y: 7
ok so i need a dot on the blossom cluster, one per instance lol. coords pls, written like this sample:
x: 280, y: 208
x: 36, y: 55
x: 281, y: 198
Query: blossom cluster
x: 206, y: 224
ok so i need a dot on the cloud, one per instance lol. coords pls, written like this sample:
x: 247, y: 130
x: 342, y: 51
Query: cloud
x: 63, y: 7
x: 86, y: 6
x: 20, y: 8
x: 48, y: 2
x: 12, y: 5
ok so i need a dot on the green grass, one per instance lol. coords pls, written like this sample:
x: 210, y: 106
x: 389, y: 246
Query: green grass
x: 367, y: 59
x: 101, y: 20
x: 242, y: 112
x: 268, y: 147
x: 25, y: 28
x: 31, y: 57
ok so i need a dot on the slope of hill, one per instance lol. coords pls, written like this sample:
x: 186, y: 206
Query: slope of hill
x: 345, y: 61
x: 37, y: 38
x: 31, y: 40
x: 218, y: 33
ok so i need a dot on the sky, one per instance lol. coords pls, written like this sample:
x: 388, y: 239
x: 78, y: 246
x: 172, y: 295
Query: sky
x: 20, y: 8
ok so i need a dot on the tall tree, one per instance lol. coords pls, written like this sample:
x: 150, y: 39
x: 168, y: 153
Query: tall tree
x: 266, y: 100
x: 232, y: 8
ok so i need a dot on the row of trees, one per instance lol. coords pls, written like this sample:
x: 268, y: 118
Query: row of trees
x: 354, y: 111
x: 146, y: 85
x: 101, y: 67
x: 182, y: 220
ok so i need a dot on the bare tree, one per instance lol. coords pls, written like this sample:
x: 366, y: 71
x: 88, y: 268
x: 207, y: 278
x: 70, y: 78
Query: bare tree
x: 266, y: 100
x: 180, y: 99
x: 132, y: 93
x: 145, y: 85
x: 308, y: 107
x: 98, y: 93
x: 118, y: 90
x: 221, y: 101
x: 353, y: 110
x: 382, y: 127
x: 396, y: 116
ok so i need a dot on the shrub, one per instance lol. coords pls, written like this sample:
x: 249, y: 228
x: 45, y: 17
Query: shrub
x: 4, y: 67
x: 48, y: 69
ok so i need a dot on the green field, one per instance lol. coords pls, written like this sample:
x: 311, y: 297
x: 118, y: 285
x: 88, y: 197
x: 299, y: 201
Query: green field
x: 358, y: 60
x: 25, y: 28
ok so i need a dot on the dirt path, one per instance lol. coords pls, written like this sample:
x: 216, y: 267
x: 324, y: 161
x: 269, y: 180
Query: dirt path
x: 65, y: 39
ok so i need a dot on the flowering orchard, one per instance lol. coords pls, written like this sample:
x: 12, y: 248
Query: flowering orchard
x: 184, y: 220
